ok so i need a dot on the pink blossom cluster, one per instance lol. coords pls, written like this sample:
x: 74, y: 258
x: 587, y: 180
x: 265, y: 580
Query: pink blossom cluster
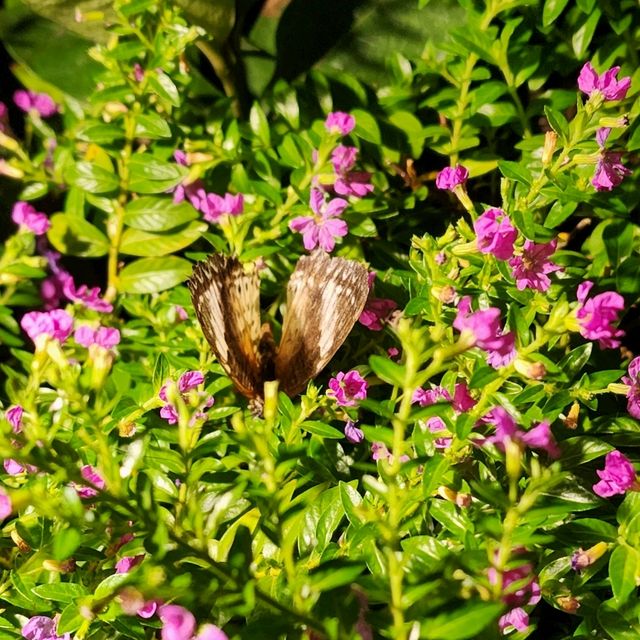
x: 347, y: 388
x: 597, y: 315
x: 379, y: 451
x: 340, y: 123
x: 461, y: 402
x: 539, y: 437
x: 95, y: 484
x: 606, y: 84
x: 610, y: 171
x: 13, y: 415
x: 352, y: 433
x: 495, y: 234
x: 520, y: 588
x: 617, y: 477
x: 633, y: 393
x: 25, y: 215
x: 486, y: 332
x: 188, y: 381
x: 348, y: 182
x: 31, y: 101
x: 43, y: 628
x: 211, y: 205
x: 103, y: 337
x: 377, y: 311
x: 55, y: 325
x: 179, y: 623
x: 451, y: 177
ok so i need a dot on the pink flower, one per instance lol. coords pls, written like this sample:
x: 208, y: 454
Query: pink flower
x: 436, y: 425
x: 517, y: 618
x: 41, y: 103
x: 5, y: 505
x: 495, y: 233
x: 427, y: 397
x: 531, y: 268
x: 124, y: 565
x: 90, y: 298
x: 618, y: 475
x: 352, y: 433
x: 42, y: 628
x: 12, y: 467
x: 582, y: 559
x: 138, y: 72
x: 597, y: 315
x: 590, y: 83
x: 340, y: 122
x: 215, y: 206
x: 633, y: 394
x: 93, y: 477
x: 347, y: 388
x: 148, y: 609
x: 540, y: 437
x: 462, y: 400
x: 105, y: 337
x: 188, y: 380
x: 26, y: 216
x: 13, y: 415
x: 4, y: 118
x: 450, y: 177
x: 376, y: 312
x: 609, y: 171
x: 177, y: 622
x: 486, y: 331
x: 169, y: 413
x: 380, y: 452
x: 324, y: 227
x: 211, y: 632
x: 349, y: 183
x: 56, y: 324
x: 527, y: 589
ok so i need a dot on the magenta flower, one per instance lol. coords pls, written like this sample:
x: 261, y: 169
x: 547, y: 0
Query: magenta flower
x: 427, y: 397
x: 94, y: 478
x: 376, y: 312
x: 487, y: 332
x: 26, y: 216
x: 349, y: 183
x: 211, y: 632
x: 436, y: 425
x: 105, y: 337
x: 12, y: 467
x: 4, y: 118
x: 590, y: 82
x: 531, y: 268
x: 347, y: 388
x: 450, y: 177
x: 42, y: 628
x: 617, y: 477
x: 89, y: 297
x: 138, y: 72
x: 517, y: 618
x: 597, y: 315
x: 462, y: 399
x: 148, y: 609
x: 13, y: 415
x: 540, y: 437
x: 56, y: 324
x: 124, y: 565
x: 609, y: 171
x: 5, y: 505
x: 324, y: 227
x: 340, y: 122
x: 215, y: 206
x: 177, y: 622
x: 495, y: 233
x: 41, y: 103
x: 187, y: 381
x: 352, y: 433
x: 633, y: 394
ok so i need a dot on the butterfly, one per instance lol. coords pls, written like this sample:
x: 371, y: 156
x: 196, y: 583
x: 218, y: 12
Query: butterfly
x: 325, y: 297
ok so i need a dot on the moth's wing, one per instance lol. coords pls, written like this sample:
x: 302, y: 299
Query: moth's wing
x: 325, y: 297
x: 227, y: 302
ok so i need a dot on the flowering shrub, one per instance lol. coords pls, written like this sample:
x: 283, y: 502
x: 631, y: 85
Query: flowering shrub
x: 466, y: 466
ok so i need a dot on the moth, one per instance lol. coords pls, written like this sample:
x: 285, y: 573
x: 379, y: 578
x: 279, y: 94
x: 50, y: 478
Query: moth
x: 325, y: 297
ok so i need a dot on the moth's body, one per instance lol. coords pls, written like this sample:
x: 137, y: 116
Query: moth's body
x: 325, y: 297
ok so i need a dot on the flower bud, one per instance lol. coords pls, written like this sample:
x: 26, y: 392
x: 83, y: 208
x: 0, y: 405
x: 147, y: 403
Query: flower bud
x: 20, y: 542
x: 550, y: 141
x: 614, y: 122
x: 532, y: 370
x: 571, y: 421
x: 582, y: 559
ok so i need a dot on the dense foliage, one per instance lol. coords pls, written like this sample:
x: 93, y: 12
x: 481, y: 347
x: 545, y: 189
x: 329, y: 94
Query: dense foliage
x: 463, y: 468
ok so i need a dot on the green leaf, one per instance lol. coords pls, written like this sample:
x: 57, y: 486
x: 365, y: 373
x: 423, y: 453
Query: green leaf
x: 628, y: 276
x: 333, y: 574
x: 148, y: 174
x: 151, y: 125
x: 91, y: 177
x: 76, y: 237
x: 259, y: 125
x: 461, y: 623
x: 110, y: 585
x: 557, y: 121
x: 581, y: 449
x: 552, y: 10
x: 617, y: 625
x: 618, y: 240
x: 515, y: 171
x: 366, y: 126
x: 582, y: 37
x: 624, y: 565
x: 135, y: 242
x: 150, y: 275
x: 150, y: 213
x: 450, y: 517
x: 216, y: 18
x: 321, y: 429
x: 573, y: 362
x: 65, y: 543
x: 60, y: 591
x: 387, y: 370
x: 71, y: 619
x: 162, y: 85
x: 434, y: 469
x: 351, y: 501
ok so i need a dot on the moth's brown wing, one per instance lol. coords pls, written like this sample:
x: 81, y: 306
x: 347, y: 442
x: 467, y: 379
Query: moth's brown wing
x: 227, y: 302
x: 325, y: 297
